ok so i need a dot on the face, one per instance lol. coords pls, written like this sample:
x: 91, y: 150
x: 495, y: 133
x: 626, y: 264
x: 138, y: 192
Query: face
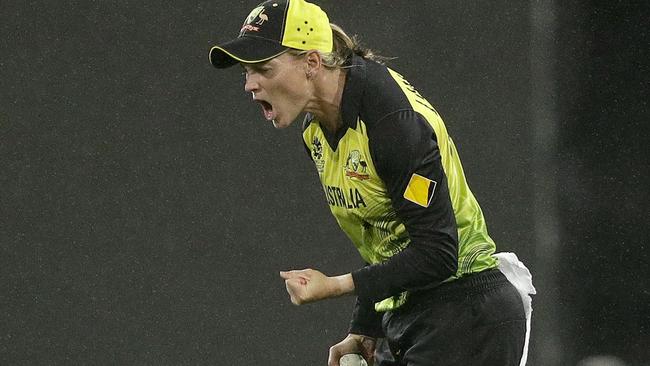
x: 280, y: 87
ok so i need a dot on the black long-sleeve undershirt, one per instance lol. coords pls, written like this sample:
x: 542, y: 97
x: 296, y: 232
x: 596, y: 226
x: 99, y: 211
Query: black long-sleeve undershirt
x: 401, y: 144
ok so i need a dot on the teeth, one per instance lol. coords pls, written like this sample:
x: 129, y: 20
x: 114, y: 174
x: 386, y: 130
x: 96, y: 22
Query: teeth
x: 268, y: 111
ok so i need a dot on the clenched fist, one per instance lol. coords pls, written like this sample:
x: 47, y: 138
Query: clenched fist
x: 309, y: 285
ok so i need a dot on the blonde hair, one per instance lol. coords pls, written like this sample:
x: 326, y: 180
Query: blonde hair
x: 344, y: 47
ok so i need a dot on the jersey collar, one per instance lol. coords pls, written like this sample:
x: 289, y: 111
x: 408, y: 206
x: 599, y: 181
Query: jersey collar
x: 353, y: 91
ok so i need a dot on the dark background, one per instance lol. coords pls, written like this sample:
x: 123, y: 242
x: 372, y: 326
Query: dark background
x: 146, y: 207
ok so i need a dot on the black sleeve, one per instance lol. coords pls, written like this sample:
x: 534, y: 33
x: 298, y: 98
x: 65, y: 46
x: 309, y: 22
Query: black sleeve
x: 403, y: 144
x: 365, y: 320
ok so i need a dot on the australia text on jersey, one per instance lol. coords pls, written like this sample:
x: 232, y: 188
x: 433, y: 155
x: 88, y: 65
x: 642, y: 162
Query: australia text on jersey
x: 346, y: 199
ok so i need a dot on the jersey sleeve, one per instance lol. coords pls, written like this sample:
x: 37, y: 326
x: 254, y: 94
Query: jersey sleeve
x: 405, y: 151
x: 365, y: 320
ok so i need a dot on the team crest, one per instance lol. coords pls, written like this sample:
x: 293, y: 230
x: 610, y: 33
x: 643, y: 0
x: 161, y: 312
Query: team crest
x: 256, y: 18
x: 317, y: 154
x: 356, y: 166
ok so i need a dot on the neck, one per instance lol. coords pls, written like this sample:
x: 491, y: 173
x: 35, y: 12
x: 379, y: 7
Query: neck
x: 326, y: 101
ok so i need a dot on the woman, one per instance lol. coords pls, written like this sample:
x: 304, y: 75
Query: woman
x: 393, y: 180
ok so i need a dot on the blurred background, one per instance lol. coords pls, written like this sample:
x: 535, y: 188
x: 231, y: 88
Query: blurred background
x: 146, y: 207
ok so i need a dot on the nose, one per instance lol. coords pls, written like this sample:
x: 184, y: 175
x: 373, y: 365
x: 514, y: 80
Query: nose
x: 251, y: 84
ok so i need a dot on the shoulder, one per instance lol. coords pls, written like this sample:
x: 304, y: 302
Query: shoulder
x: 388, y: 96
x: 404, y: 133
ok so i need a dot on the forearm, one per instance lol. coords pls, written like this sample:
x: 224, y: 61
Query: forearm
x: 418, y: 189
x: 419, y: 265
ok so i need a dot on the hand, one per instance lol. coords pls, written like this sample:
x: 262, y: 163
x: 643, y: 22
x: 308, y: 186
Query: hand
x: 309, y: 285
x: 353, y: 343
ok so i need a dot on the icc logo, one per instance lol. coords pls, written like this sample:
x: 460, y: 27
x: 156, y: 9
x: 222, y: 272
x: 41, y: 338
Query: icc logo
x: 356, y: 166
x: 317, y: 154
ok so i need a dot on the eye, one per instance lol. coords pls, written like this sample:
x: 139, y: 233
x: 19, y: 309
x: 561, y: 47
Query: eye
x: 255, y: 69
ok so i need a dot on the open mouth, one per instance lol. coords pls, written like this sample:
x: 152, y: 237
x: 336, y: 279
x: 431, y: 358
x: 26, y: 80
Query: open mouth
x: 267, y: 109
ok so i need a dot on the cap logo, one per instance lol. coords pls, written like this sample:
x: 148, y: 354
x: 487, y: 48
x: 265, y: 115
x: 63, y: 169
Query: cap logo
x: 250, y: 28
x: 263, y: 17
x: 256, y: 14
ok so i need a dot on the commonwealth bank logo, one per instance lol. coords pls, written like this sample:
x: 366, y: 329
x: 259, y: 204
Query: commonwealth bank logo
x: 420, y: 190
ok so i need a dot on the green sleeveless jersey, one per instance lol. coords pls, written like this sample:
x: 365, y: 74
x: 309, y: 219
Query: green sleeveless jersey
x: 394, y: 182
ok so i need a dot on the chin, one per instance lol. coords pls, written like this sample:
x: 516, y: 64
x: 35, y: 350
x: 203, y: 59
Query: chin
x: 280, y: 123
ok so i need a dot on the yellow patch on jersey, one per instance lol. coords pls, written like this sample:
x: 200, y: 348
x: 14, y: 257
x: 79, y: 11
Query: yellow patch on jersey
x: 420, y: 190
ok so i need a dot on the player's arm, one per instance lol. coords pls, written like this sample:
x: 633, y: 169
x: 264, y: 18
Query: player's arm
x: 365, y: 320
x: 405, y: 151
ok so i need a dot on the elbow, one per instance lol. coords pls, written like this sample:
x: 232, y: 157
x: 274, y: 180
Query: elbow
x: 435, y: 263
x: 443, y: 260
x: 449, y: 257
x: 449, y: 264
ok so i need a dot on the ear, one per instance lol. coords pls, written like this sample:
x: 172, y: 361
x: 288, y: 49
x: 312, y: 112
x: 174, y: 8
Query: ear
x: 314, y: 62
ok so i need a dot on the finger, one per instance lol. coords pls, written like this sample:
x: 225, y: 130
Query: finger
x: 292, y: 285
x: 295, y: 284
x: 294, y: 288
x: 334, y: 357
x: 292, y: 274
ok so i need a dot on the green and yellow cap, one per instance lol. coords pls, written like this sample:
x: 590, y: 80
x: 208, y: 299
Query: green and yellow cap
x: 273, y: 27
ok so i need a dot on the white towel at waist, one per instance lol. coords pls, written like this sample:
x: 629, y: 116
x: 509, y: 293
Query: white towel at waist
x: 517, y: 273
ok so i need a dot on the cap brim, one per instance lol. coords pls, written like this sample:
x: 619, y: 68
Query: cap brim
x: 246, y: 50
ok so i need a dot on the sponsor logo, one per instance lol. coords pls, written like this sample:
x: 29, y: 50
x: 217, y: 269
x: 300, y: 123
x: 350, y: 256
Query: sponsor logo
x: 420, y: 190
x: 340, y: 198
x: 317, y: 154
x: 356, y: 166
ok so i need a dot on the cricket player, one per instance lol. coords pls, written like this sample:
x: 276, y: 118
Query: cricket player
x: 431, y: 292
